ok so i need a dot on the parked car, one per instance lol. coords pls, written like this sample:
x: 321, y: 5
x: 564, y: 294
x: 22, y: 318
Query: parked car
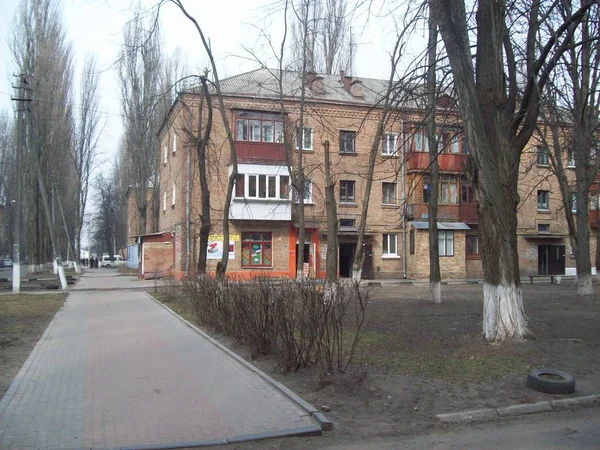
x: 106, y: 262
x: 7, y: 262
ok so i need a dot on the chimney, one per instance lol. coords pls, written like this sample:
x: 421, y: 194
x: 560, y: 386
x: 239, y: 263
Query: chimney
x: 357, y: 89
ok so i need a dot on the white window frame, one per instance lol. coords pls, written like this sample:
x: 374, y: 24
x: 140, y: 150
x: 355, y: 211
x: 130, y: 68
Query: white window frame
x: 174, y: 191
x: 267, y: 185
x: 446, y: 242
x: 166, y: 154
x: 395, y: 185
x: 174, y: 144
x: 386, y: 139
x: 421, y: 142
x: 542, y: 151
x: 306, y: 129
x: 164, y: 200
x: 570, y: 160
x: 389, y: 238
x: 308, y: 182
x: 547, y: 206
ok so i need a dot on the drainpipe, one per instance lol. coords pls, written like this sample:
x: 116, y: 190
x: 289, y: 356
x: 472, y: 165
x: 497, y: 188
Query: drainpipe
x: 403, y: 183
x: 187, y: 215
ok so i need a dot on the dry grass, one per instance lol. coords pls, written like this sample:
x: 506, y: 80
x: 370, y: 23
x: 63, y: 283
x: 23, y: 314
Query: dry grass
x: 23, y: 319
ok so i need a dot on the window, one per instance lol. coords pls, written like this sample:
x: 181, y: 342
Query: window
x: 307, y: 192
x: 166, y: 149
x: 421, y: 142
x: 454, y: 144
x: 261, y: 186
x: 174, y: 143
x: 542, y: 156
x: 573, y: 202
x: 389, y: 144
x: 472, y: 246
x: 543, y: 228
x: 543, y: 200
x: 347, y: 223
x: 448, y: 190
x: 446, y: 242
x: 257, y: 249
x: 465, y: 145
x: 258, y: 127
x: 346, y: 191
x: 570, y: 159
x: 347, y: 142
x: 426, y: 189
x: 164, y: 200
x: 390, y: 245
x: 304, y: 138
x: 173, y: 199
x: 411, y: 242
x: 388, y: 193
x: 467, y: 195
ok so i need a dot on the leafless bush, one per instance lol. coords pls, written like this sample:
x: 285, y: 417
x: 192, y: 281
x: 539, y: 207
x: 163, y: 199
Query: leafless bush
x: 300, y: 322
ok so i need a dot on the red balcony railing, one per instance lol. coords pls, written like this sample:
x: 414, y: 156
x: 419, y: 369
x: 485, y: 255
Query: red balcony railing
x: 594, y: 217
x: 259, y: 152
x: 447, y: 162
x: 465, y: 213
x: 468, y: 213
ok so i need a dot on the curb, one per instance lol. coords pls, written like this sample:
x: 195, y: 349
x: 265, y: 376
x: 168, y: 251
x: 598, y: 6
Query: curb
x: 480, y: 415
x: 323, y: 422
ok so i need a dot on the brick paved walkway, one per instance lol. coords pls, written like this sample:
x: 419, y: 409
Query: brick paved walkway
x: 115, y: 369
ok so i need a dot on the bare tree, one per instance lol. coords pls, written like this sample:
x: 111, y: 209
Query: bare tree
x: 43, y: 57
x: 323, y: 34
x: 85, y: 151
x: 570, y: 119
x: 499, y: 119
x: 139, y: 77
x: 435, y: 277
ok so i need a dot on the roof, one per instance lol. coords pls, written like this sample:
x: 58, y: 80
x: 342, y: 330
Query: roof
x: 264, y: 83
x: 422, y: 225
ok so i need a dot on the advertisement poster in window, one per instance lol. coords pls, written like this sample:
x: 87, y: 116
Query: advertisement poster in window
x: 215, y: 250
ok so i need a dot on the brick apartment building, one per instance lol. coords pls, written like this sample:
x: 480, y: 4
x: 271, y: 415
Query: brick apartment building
x: 344, y: 111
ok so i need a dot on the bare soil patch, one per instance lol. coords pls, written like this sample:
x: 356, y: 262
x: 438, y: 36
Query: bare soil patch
x: 418, y: 360
x: 23, y: 319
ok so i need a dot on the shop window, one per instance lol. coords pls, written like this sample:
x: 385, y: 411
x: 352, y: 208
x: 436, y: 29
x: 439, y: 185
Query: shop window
x: 257, y: 249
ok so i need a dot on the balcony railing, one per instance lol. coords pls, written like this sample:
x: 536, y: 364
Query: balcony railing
x: 259, y: 152
x: 594, y: 218
x: 464, y: 213
x: 447, y: 162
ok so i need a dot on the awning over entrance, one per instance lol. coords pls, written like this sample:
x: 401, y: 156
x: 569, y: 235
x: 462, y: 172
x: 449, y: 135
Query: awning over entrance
x: 545, y: 236
x: 422, y: 225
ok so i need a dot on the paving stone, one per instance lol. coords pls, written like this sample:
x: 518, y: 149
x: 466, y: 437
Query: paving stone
x: 115, y: 369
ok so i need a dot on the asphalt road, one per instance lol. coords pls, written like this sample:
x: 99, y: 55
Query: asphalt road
x: 7, y: 272
x: 576, y: 429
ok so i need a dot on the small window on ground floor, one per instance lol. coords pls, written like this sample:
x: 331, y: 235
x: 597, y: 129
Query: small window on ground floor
x: 446, y: 242
x: 390, y: 245
x: 257, y: 249
x: 472, y: 246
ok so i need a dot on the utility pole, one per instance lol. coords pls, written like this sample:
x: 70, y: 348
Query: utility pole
x: 16, y: 202
x: 69, y: 245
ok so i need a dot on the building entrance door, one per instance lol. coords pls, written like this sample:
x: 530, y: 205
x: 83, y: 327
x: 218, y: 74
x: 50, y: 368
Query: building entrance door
x: 346, y: 255
x: 551, y: 259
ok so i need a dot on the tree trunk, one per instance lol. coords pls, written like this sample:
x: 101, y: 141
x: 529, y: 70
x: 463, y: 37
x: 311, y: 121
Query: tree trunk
x: 332, y: 222
x: 205, y: 224
x: 435, y: 278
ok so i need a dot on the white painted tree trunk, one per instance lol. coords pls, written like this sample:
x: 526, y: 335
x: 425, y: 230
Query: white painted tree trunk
x: 436, y: 292
x: 503, y: 313
x: 356, y: 274
x: 584, y: 285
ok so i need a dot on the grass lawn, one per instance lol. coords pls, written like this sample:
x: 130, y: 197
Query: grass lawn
x: 23, y: 319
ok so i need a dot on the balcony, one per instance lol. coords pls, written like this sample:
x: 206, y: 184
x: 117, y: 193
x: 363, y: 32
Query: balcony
x: 464, y: 213
x: 260, y: 209
x: 419, y: 161
x: 594, y: 218
x: 259, y: 152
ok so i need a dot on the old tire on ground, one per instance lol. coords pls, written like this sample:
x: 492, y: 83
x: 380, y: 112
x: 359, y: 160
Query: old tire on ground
x: 551, y: 381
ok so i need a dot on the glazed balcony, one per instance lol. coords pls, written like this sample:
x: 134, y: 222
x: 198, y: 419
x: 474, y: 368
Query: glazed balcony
x: 419, y: 161
x: 259, y: 153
